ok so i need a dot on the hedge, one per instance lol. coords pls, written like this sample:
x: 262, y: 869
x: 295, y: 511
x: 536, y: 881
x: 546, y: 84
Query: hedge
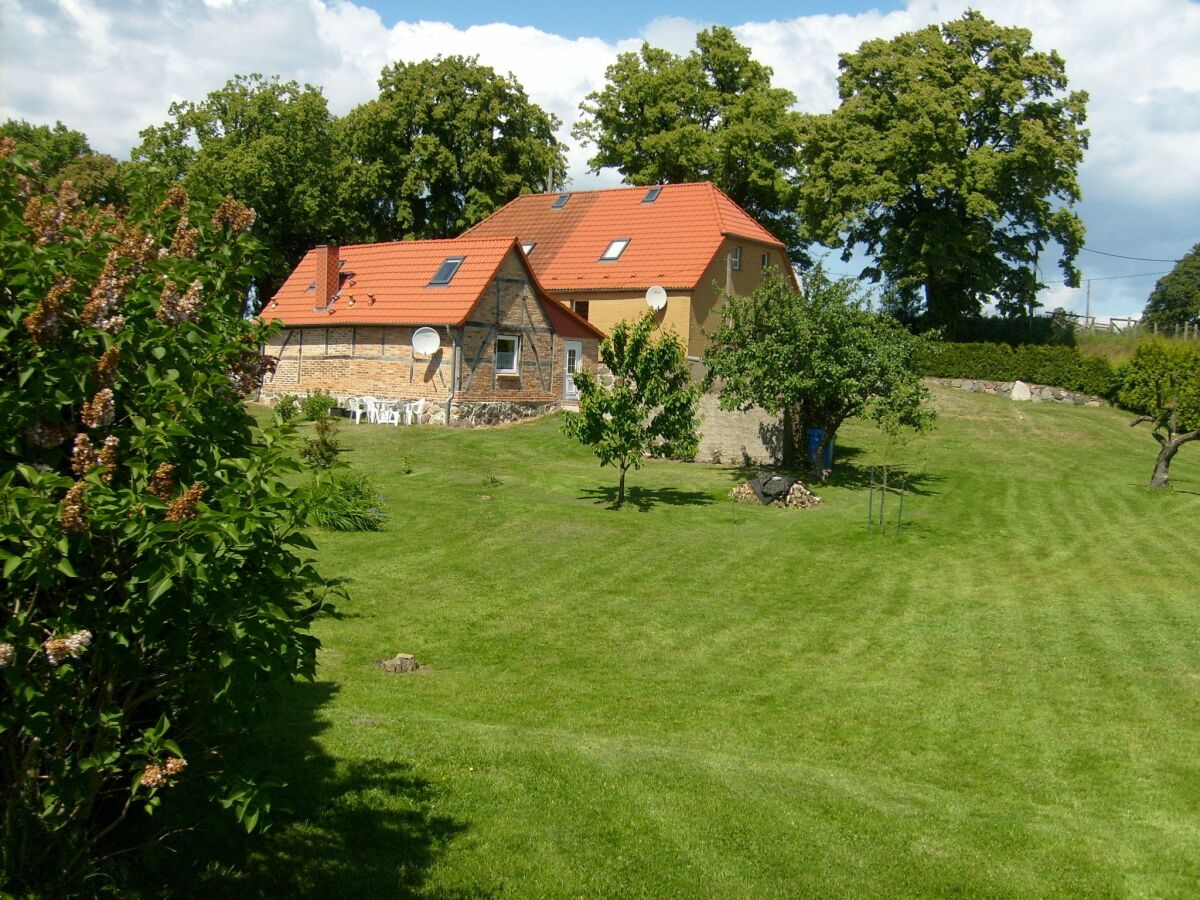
x: 1058, y: 366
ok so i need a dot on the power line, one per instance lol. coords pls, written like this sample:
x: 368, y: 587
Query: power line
x: 1121, y: 256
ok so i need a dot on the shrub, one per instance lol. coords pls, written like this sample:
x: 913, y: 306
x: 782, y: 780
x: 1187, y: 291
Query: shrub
x: 287, y: 407
x: 344, y: 500
x: 318, y: 405
x: 1054, y: 365
x: 152, y: 590
x: 322, y: 451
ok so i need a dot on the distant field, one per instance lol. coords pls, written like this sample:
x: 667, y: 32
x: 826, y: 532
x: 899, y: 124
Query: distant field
x: 1116, y: 348
x: 689, y: 698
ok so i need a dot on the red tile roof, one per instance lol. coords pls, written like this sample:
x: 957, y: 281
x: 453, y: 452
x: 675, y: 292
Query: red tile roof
x: 389, y: 285
x: 671, y: 241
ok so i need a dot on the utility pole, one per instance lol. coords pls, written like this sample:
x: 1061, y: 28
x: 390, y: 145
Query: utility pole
x: 1087, y: 314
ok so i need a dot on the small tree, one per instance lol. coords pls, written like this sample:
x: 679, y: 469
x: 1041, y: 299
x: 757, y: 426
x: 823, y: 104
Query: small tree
x: 814, y: 358
x: 1162, y: 382
x: 650, y: 408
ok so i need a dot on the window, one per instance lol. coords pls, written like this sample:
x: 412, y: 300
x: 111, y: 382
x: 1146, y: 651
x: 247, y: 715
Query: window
x: 736, y: 256
x: 580, y: 307
x: 615, y: 249
x: 528, y: 248
x: 652, y: 195
x: 766, y: 260
x: 447, y: 269
x: 508, y: 354
x: 560, y: 201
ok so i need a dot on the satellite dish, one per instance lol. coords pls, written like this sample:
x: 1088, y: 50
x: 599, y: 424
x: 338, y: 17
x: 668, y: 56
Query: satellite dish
x: 656, y: 298
x: 426, y: 341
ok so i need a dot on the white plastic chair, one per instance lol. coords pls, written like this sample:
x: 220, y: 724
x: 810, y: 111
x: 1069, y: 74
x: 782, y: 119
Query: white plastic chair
x: 389, y: 413
x: 355, y: 406
x: 372, y: 408
x: 413, y: 412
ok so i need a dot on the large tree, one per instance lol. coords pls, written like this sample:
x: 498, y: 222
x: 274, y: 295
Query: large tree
x: 1175, y: 299
x: 1162, y: 382
x: 446, y: 143
x: 952, y: 162
x: 815, y: 358
x: 64, y: 154
x: 266, y: 142
x: 709, y: 116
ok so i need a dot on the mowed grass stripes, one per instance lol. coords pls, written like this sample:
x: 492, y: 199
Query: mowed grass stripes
x: 691, y: 698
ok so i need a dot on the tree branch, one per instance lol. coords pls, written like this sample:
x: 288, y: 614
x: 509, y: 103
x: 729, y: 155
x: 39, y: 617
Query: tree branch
x: 1140, y: 419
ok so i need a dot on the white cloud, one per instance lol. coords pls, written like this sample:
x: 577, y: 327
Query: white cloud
x: 110, y: 68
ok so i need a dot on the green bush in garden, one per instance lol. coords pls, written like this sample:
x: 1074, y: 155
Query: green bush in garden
x: 153, y: 584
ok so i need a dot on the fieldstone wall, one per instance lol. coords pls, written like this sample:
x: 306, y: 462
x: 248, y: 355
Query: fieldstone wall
x: 1038, y: 393
x: 471, y: 414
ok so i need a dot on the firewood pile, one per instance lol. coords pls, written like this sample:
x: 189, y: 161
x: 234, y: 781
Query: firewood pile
x: 776, y: 490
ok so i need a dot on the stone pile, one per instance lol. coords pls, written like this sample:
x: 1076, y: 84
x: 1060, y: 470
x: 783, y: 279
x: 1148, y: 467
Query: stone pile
x: 399, y: 664
x: 1020, y: 391
x: 776, y: 490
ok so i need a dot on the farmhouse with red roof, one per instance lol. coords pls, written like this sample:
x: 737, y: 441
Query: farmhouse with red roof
x: 519, y: 302
x: 599, y: 251
x: 505, y: 349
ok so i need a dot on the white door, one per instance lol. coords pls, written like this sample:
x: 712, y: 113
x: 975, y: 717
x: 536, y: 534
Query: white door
x: 572, y: 353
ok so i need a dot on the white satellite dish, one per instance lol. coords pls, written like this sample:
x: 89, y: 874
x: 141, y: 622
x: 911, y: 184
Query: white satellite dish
x: 656, y: 298
x: 426, y: 341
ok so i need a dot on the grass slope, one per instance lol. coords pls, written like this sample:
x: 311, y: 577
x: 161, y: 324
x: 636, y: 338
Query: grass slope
x: 688, y: 698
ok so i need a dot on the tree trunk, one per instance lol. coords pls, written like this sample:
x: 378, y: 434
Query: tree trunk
x: 1162, y: 465
x: 621, y: 486
x: 787, y: 451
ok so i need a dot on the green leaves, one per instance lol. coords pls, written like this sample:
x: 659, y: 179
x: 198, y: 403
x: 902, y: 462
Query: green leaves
x: 709, y: 116
x: 152, y: 589
x: 816, y: 357
x: 649, y: 408
x: 952, y: 162
x: 1175, y: 299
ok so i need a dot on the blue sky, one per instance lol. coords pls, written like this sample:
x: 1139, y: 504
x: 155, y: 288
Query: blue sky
x: 612, y: 20
x: 112, y: 67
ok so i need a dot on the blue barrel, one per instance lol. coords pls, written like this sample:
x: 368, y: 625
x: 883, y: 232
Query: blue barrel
x: 814, y: 436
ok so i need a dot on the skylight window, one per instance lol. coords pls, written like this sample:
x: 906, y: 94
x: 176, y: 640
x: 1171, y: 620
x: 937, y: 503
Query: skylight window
x: 528, y: 248
x: 560, y: 201
x: 652, y: 195
x: 615, y: 249
x: 447, y: 269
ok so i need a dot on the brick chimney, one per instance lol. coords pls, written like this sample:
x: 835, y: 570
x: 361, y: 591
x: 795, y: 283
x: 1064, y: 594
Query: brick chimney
x: 327, y: 275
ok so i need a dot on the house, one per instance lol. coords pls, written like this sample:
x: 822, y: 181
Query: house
x: 491, y: 345
x: 600, y: 251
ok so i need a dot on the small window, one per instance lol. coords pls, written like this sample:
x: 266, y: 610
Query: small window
x: 615, y: 249
x: 447, y: 269
x: 528, y: 248
x: 652, y: 195
x: 581, y: 308
x: 560, y: 201
x: 508, y: 354
x: 766, y: 260
x: 736, y: 256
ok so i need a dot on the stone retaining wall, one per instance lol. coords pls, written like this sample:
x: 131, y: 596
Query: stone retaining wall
x: 1038, y: 393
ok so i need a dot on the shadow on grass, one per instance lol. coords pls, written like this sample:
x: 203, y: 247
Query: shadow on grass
x: 846, y: 474
x: 645, y: 499
x: 364, y: 828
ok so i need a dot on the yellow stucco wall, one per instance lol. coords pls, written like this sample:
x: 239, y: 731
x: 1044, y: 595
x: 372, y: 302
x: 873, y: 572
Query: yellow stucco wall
x: 606, y: 309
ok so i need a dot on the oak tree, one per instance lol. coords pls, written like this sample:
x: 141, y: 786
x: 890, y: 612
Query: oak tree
x: 712, y: 115
x: 267, y: 142
x: 951, y: 162
x: 446, y: 143
x: 1175, y: 299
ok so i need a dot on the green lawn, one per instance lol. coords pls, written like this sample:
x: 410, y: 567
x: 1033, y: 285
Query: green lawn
x: 694, y: 698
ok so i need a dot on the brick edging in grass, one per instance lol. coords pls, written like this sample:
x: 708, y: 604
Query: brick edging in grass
x: 1039, y: 393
